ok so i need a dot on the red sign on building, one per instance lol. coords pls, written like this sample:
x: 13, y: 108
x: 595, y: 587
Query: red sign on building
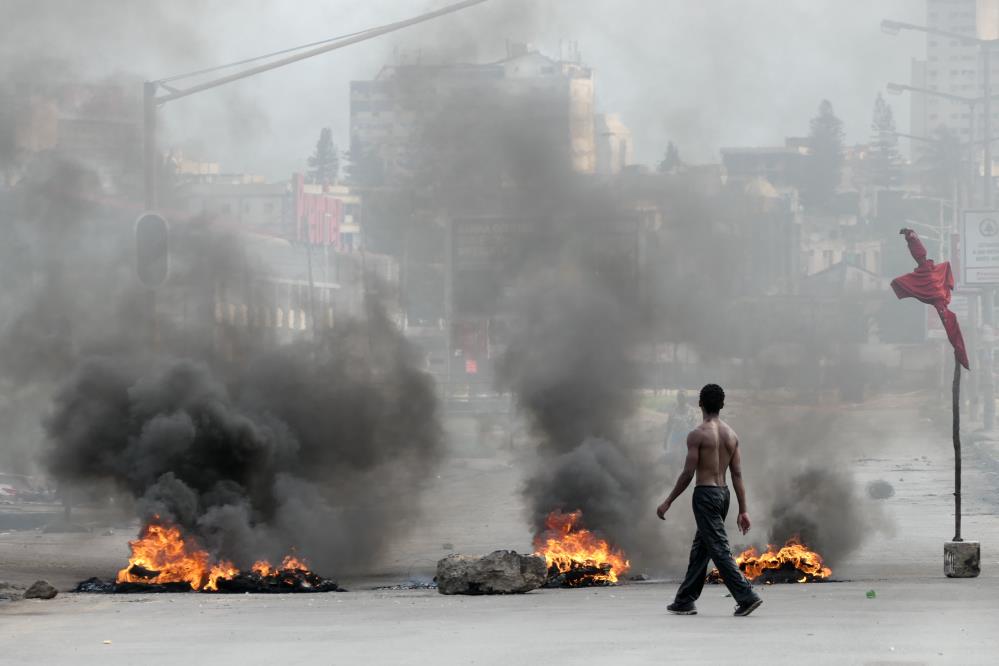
x: 318, y: 215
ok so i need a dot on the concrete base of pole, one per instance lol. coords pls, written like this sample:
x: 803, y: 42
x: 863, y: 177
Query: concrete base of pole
x: 962, y: 559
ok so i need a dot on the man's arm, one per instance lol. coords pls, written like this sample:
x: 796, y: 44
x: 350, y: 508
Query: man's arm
x: 686, y: 476
x: 735, y: 467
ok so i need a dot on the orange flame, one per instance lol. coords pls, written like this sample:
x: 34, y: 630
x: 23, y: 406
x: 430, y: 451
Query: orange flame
x: 792, y: 554
x: 565, y: 546
x: 263, y: 568
x: 289, y: 563
x: 161, y: 555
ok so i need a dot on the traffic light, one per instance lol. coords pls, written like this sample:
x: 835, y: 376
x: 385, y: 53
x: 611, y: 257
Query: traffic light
x: 152, y: 249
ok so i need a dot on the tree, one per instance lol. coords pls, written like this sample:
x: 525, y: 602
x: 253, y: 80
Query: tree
x: 671, y: 160
x: 324, y: 165
x: 884, y: 158
x: 824, y: 163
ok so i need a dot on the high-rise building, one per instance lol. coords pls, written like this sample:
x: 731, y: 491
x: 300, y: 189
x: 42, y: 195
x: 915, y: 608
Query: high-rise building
x: 385, y: 113
x: 955, y: 67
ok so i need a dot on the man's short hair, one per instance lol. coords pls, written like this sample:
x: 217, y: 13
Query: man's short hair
x: 712, y: 398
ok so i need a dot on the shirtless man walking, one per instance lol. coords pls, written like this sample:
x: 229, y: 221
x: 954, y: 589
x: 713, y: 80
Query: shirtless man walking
x: 712, y: 450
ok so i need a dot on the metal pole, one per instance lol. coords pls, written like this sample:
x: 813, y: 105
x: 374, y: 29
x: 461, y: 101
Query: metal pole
x: 989, y: 411
x: 448, y: 304
x: 150, y: 173
x: 988, y: 399
x: 987, y: 128
x: 150, y: 159
x: 312, y: 288
x: 956, y: 436
x: 969, y: 193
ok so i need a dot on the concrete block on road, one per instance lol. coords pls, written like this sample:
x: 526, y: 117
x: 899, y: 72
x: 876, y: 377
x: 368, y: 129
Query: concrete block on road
x: 962, y: 559
x: 500, y: 572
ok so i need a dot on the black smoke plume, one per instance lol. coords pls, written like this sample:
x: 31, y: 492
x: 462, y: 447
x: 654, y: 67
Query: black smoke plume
x: 318, y: 446
x: 797, y: 462
x: 571, y: 367
x: 570, y: 292
x: 251, y: 445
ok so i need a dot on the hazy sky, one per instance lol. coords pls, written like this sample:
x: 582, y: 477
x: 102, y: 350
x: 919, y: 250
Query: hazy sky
x: 705, y: 73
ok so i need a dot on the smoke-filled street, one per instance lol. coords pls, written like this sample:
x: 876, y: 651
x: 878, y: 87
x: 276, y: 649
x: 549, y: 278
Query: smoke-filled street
x: 498, y: 331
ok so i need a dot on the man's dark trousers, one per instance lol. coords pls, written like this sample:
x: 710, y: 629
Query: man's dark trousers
x: 711, y: 543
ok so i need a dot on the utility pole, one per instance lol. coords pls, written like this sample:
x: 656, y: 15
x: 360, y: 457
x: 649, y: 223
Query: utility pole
x: 987, y: 125
x: 150, y: 101
x: 150, y: 88
x: 988, y: 307
x: 150, y: 159
x: 312, y: 288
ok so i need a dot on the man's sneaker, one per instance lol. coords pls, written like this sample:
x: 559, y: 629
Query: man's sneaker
x: 682, y: 609
x: 742, y: 610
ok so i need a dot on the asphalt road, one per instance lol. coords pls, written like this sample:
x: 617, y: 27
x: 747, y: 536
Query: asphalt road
x: 915, y: 621
x: 916, y: 617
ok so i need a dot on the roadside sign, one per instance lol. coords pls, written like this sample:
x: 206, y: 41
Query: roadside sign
x: 980, y: 245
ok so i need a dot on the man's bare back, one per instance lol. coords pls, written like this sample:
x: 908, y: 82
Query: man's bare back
x: 717, y: 443
x: 712, y: 452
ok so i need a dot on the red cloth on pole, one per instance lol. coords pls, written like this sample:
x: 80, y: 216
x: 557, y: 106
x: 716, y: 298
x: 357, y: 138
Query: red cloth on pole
x: 932, y: 283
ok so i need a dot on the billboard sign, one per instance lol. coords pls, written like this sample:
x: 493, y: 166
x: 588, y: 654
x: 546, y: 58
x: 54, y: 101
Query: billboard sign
x: 980, y: 245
